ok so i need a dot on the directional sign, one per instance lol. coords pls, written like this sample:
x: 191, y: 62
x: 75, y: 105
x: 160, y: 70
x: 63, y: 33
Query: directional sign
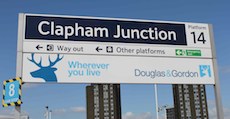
x: 180, y: 52
x: 82, y: 35
x: 98, y: 49
x: 193, y: 53
x: 73, y: 49
x: 110, y: 49
x: 12, y: 92
x: 38, y: 47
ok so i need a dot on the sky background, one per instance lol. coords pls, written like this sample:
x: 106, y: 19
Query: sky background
x: 68, y: 100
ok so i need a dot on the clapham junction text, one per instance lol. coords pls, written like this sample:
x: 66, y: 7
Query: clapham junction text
x: 103, y: 30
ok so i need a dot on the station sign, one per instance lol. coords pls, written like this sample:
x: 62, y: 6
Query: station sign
x: 110, y: 36
x: 12, y: 92
x: 120, y: 50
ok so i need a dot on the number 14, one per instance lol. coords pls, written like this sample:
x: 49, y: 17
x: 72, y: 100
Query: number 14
x: 200, y: 37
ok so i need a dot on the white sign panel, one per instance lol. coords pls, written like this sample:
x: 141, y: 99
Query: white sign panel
x: 73, y: 49
x: 116, y: 69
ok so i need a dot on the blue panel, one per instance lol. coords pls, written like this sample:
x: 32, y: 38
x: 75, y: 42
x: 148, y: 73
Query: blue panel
x: 12, y: 92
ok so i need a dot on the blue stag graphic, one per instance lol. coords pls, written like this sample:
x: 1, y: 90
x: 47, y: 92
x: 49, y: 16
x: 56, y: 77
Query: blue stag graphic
x: 45, y: 72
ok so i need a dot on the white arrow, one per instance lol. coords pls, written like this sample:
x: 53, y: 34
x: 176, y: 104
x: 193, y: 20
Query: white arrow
x: 178, y: 52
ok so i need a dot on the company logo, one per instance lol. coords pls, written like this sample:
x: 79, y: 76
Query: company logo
x: 166, y: 73
x: 205, y: 71
x: 45, y: 72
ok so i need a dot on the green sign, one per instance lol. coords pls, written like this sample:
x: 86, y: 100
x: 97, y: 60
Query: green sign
x: 193, y: 52
x: 180, y: 52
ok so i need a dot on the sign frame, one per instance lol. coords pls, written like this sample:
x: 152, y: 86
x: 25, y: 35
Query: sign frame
x: 21, y: 32
x: 22, y: 40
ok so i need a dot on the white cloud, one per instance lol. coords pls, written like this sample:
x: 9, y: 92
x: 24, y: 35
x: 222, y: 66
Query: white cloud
x: 148, y: 115
x: 78, y: 109
x: 6, y: 111
x: 10, y: 113
x: 128, y: 115
x: 213, y: 114
x: 212, y: 110
x: 224, y: 69
x: 131, y: 115
x: 62, y: 111
x: 28, y: 85
x: 59, y: 111
x: 6, y: 117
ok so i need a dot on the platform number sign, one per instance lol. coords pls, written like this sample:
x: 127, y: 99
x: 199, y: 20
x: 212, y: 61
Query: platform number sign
x: 198, y: 37
x: 12, y: 92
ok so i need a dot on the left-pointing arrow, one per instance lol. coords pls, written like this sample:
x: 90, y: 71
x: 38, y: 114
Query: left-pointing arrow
x: 98, y: 49
x: 39, y: 47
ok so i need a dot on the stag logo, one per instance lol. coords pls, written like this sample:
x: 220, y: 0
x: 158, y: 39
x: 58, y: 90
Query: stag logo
x: 205, y: 71
x: 45, y: 72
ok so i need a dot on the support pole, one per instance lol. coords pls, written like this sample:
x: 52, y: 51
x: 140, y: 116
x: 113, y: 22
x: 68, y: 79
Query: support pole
x: 17, y: 112
x: 219, y: 106
x: 47, y: 113
x: 156, y: 101
x: 165, y: 113
x: 50, y: 113
x: 19, y: 58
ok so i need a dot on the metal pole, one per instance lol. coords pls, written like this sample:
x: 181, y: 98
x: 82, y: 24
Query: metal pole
x: 17, y: 112
x: 50, y: 112
x: 19, y: 58
x: 165, y: 114
x: 47, y: 113
x: 156, y: 101
x: 219, y: 106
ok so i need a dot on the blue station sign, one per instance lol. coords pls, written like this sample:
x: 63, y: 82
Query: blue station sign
x: 104, y: 30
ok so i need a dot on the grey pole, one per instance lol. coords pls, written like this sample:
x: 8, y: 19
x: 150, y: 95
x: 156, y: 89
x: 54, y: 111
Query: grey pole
x: 156, y: 101
x: 219, y: 106
x: 50, y: 114
x: 19, y: 58
x: 47, y: 113
x: 17, y: 112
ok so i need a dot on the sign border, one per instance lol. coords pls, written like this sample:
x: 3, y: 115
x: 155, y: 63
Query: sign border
x: 216, y: 85
x: 21, y: 34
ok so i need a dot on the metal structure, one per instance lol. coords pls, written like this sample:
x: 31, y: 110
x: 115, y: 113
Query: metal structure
x: 196, y: 50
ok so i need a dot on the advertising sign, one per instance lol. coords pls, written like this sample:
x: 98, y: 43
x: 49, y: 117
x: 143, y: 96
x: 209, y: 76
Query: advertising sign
x: 73, y: 49
x: 115, y: 69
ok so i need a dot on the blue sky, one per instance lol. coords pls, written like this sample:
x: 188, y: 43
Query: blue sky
x: 68, y: 100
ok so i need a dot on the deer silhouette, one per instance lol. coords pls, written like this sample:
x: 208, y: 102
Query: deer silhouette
x: 45, y: 72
